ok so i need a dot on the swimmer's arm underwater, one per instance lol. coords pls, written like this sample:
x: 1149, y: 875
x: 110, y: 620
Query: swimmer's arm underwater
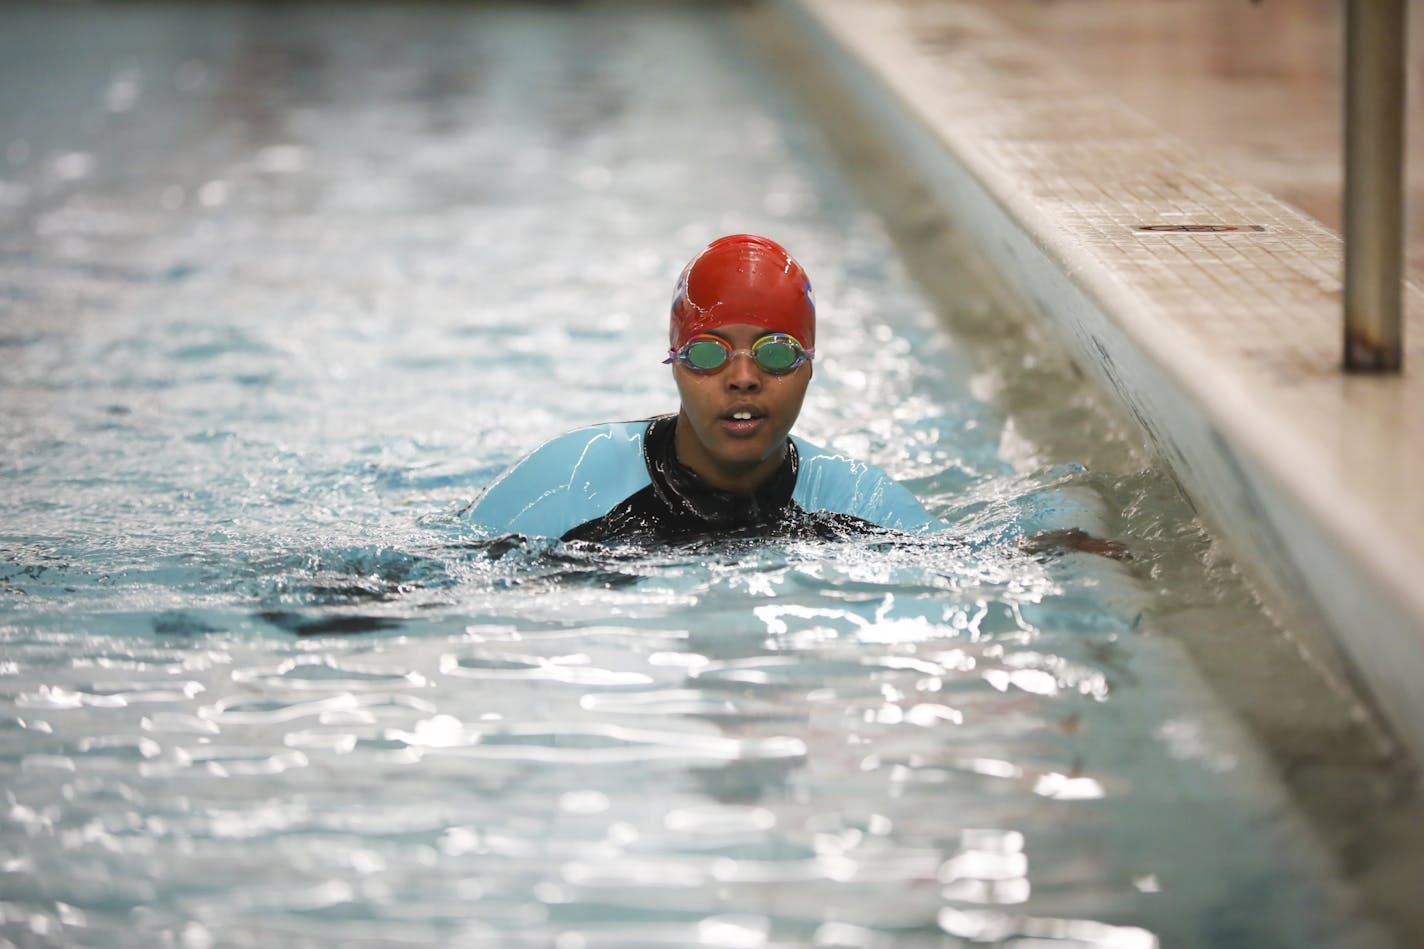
x: 1073, y: 539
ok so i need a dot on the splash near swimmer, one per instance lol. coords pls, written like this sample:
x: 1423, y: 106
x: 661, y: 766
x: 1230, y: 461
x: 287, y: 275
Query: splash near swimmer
x: 742, y: 334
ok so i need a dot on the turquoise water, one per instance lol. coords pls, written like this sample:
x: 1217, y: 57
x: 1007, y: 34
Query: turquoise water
x: 282, y: 287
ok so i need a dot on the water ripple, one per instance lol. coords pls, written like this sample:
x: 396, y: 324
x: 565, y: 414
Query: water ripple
x: 583, y: 743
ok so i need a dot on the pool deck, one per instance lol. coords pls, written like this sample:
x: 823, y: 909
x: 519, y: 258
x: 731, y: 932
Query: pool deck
x: 1069, y: 139
x: 1225, y: 345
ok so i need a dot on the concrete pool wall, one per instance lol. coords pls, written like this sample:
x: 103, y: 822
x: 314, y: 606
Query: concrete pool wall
x: 1210, y: 309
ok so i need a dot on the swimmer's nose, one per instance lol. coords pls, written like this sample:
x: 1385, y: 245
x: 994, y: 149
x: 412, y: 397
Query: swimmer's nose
x: 742, y: 373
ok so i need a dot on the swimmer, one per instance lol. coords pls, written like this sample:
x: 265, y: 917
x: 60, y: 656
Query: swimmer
x: 742, y: 340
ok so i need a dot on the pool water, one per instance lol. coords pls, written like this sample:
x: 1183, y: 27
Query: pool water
x: 282, y: 287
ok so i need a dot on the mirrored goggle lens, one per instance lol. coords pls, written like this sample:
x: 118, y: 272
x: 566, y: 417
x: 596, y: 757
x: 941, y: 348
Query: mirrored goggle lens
x: 705, y: 354
x: 777, y: 355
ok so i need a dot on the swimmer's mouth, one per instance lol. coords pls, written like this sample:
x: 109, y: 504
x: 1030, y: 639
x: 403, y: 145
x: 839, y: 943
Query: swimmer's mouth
x: 744, y: 415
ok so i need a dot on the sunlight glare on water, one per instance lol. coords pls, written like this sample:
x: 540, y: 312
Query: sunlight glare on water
x: 282, y: 289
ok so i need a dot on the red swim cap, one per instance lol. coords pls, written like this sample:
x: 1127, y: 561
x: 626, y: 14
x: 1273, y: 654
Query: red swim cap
x: 743, y: 278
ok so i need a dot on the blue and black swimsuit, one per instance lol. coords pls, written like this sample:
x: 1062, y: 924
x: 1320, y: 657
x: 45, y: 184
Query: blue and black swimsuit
x: 622, y: 481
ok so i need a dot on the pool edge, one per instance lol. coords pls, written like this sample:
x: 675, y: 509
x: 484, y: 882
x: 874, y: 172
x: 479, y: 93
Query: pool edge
x: 977, y: 114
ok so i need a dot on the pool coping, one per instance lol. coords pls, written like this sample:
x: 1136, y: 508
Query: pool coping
x: 1209, y: 309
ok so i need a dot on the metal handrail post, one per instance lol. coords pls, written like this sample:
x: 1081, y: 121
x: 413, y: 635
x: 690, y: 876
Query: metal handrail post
x: 1375, y: 57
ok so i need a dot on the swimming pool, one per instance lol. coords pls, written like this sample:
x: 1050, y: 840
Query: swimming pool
x: 283, y: 287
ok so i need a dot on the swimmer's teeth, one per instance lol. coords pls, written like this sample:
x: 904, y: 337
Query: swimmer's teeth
x: 742, y: 416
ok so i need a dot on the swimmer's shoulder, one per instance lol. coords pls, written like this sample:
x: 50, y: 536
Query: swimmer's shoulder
x: 572, y: 478
x: 830, y: 481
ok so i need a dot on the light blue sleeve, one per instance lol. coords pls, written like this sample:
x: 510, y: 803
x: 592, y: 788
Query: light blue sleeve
x: 831, y: 482
x: 566, y: 482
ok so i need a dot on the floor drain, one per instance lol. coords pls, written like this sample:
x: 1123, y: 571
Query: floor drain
x: 1195, y: 228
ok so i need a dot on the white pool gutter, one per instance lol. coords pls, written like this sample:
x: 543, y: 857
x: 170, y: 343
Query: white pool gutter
x: 1209, y: 308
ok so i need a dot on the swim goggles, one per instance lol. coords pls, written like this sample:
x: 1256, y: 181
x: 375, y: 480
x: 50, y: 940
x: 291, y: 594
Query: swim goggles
x: 776, y: 353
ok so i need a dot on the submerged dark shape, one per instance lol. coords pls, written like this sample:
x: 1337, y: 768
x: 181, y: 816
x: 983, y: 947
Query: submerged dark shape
x: 1074, y: 539
x: 180, y: 623
x: 329, y: 626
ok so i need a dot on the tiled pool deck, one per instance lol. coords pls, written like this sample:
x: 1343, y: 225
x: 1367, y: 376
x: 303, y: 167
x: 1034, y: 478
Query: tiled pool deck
x: 1255, y: 86
x: 1224, y: 344
x: 1069, y: 138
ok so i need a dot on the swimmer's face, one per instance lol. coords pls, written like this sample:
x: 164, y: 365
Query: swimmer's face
x: 733, y: 425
